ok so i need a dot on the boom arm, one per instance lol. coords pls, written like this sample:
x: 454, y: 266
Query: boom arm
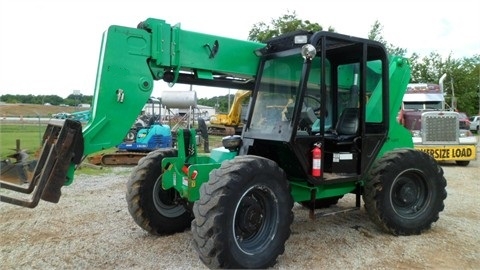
x: 131, y: 59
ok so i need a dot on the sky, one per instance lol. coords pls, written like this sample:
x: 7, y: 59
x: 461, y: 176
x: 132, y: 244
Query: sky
x: 50, y: 47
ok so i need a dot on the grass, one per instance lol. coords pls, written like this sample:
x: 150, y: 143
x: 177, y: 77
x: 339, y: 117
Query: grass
x: 29, y: 136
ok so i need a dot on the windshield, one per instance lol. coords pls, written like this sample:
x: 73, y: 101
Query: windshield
x: 278, y: 112
x: 423, y: 105
x: 277, y: 94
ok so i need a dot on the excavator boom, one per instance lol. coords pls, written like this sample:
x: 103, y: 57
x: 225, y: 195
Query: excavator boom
x: 228, y: 124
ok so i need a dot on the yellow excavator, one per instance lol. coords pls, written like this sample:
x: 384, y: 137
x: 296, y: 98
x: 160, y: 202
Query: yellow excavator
x: 231, y: 123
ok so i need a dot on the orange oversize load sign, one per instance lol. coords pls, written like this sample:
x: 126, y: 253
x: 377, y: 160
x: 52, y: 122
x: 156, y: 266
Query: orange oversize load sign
x: 457, y: 152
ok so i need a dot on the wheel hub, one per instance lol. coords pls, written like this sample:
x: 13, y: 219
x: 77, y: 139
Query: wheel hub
x: 408, y: 194
x: 250, y: 217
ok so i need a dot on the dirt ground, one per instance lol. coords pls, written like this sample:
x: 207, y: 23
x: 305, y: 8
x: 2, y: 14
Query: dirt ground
x: 91, y: 228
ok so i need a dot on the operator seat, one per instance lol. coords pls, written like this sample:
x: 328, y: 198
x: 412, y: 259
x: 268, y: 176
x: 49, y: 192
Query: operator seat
x: 346, y: 128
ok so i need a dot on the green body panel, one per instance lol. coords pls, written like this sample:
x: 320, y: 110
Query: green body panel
x: 121, y: 86
x: 176, y: 50
x: 302, y: 191
x: 187, y: 172
x: 399, y: 77
x: 221, y: 154
x: 183, y: 181
x: 233, y: 57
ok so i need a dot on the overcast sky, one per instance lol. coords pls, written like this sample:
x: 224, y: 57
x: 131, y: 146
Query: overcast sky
x: 51, y: 47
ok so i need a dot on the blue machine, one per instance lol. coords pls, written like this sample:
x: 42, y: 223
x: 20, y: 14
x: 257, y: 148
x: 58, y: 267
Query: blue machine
x: 149, y: 139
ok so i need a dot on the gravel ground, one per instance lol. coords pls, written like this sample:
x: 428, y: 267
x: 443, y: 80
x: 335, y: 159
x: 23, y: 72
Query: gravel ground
x: 91, y: 228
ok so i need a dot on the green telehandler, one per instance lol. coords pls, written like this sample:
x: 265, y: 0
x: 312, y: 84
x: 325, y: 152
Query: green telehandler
x: 321, y: 124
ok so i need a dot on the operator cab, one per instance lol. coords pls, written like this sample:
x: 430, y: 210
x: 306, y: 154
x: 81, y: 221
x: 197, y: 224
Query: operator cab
x: 315, y: 88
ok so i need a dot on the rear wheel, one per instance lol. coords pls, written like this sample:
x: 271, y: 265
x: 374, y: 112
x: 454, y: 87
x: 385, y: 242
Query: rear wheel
x: 405, y: 192
x: 154, y: 209
x: 243, y: 217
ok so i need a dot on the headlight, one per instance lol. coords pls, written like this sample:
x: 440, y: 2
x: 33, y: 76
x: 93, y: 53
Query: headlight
x: 300, y: 39
x: 308, y: 51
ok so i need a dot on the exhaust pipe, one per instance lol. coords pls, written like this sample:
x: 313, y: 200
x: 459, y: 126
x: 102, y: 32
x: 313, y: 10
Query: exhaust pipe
x: 440, y: 82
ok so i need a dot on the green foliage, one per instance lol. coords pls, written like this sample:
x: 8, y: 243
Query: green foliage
x: 71, y: 100
x: 376, y: 34
x: 261, y: 32
x: 220, y: 103
x: 462, y: 81
x: 78, y: 99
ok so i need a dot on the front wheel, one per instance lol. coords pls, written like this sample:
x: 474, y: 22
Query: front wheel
x: 154, y: 209
x: 405, y: 192
x: 243, y: 217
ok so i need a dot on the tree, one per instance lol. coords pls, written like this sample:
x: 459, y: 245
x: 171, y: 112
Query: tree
x: 430, y: 68
x: 261, y: 31
x: 9, y: 98
x: 220, y: 103
x: 463, y: 75
x: 462, y: 81
x: 465, y: 78
x: 376, y: 34
x: 42, y: 99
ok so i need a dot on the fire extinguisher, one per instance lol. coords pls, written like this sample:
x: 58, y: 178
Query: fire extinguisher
x: 317, y: 160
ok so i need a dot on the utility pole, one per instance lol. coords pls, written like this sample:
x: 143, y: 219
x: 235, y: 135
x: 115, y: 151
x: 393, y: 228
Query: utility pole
x: 228, y: 100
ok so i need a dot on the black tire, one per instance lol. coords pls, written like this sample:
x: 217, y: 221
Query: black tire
x: 405, y: 192
x: 202, y: 127
x: 321, y: 203
x: 155, y: 210
x: 243, y: 217
x: 463, y: 163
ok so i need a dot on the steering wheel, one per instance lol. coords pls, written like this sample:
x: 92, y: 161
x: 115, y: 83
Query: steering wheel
x: 309, y: 114
x: 316, y: 110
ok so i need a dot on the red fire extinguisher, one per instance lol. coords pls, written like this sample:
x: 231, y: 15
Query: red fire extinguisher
x: 317, y: 160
